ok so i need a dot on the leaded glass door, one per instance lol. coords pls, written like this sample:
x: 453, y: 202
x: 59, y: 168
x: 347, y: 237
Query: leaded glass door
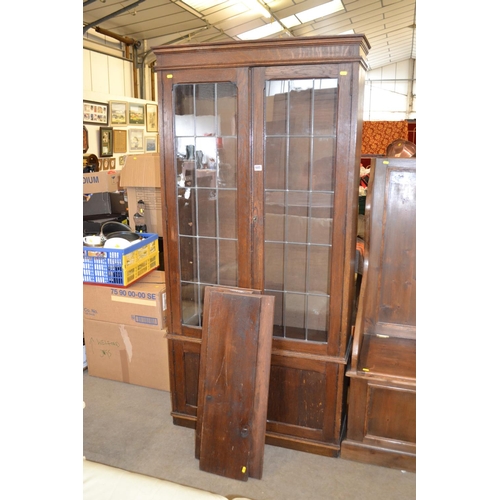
x: 299, y: 164
x: 208, y: 185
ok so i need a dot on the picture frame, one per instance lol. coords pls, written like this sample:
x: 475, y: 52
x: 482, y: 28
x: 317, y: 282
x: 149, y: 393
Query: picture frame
x: 136, y: 139
x: 105, y: 142
x: 85, y: 139
x: 151, y: 143
x: 118, y: 113
x: 136, y: 114
x: 95, y: 113
x: 119, y: 141
x: 151, y: 118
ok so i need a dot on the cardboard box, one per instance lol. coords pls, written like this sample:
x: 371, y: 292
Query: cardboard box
x: 106, y: 181
x: 144, y: 303
x: 130, y: 354
x: 140, y: 176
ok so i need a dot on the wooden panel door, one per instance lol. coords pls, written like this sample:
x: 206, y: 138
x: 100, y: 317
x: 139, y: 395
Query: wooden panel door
x: 234, y: 383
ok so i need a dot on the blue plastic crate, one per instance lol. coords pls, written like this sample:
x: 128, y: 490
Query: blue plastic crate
x: 121, y: 267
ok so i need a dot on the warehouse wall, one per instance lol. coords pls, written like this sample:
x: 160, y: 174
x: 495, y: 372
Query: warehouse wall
x: 390, y: 92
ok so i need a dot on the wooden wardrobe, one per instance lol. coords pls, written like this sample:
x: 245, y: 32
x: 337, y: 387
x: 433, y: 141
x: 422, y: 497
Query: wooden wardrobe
x: 381, y: 425
x: 260, y: 152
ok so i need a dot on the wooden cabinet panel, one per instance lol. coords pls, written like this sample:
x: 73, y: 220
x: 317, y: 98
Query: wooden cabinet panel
x: 184, y: 389
x: 233, y: 387
x: 381, y: 426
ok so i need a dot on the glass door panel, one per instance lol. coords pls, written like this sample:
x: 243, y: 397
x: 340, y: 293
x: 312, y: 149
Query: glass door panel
x: 206, y: 159
x: 300, y: 146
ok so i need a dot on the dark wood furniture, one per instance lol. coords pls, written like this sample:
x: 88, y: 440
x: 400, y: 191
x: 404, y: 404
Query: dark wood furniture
x: 279, y: 121
x: 381, y: 426
x: 234, y: 382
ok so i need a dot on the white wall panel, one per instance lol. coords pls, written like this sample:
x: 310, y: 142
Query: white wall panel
x: 99, y: 72
x: 87, y: 79
x: 388, y: 91
x: 116, y: 74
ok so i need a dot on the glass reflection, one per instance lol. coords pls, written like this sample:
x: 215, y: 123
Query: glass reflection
x: 206, y: 156
x: 300, y: 142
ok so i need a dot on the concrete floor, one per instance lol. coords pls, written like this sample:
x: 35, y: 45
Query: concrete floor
x: 130, y: 427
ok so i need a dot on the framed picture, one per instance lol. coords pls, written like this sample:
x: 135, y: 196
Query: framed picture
x: 85, y: 139
x: 136, y: 139
x: 118, y: 113
x: 95, y: 113
x: 119, y: 141
x: 136, y: 114
x: 105, y: 141
x: 151, y: 118
x: 151, y: 143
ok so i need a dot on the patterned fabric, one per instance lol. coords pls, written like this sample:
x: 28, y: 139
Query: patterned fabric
x: 378, y: 135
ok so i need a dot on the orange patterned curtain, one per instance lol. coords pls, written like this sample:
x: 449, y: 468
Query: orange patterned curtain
x: 378, y: 135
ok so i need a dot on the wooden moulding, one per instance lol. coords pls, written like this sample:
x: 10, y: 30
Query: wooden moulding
x: 307, y: 50
x: 234, y: 382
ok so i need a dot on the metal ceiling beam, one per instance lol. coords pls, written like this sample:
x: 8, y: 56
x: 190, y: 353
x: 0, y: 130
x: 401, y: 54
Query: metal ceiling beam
x: 110, y: 16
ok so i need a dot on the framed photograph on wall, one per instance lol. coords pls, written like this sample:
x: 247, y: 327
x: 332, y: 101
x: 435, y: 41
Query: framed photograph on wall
x: 105, y: 141
x: 95, y: 113
x: 119, y: 141
x: 85, y: 139
x: 151, y: 118
x: 118, y: 113
x: 151, y: 143
x: 136, y: 139
x: 136, y: 114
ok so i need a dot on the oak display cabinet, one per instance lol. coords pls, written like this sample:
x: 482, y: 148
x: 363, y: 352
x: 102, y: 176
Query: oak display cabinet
x: 271, y: 205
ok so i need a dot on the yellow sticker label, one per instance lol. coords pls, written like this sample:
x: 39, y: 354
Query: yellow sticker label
x: 343, y: 73
x: 366, y: 370
x: 170, y: 75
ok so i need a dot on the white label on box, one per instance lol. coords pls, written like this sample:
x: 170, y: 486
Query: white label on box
x: 141, y: 302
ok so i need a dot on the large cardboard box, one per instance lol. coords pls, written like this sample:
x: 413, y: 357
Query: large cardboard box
x: 125, y: 353
x: 106, y: 181
x: 140, y: 176
x: 144, y: 303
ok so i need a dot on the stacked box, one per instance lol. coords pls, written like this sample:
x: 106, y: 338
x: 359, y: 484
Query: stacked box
x: 124, y: 331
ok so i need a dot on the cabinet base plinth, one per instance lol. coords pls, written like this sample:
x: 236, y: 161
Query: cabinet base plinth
x: 324, y: 449
x: 359, y: 452
x: 184, y: 420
